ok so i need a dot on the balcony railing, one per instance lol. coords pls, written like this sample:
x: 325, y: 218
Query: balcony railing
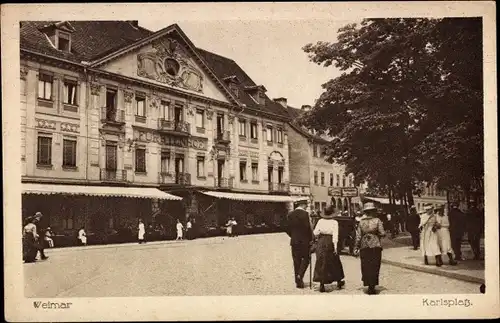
x: 223, y: 182
x: 279, y: 187
x: 112, y: 115
x: 183, y: 178
x: 222, y: 137
x: 113, y: 175
x: 172, y: 125
x: 165, y: 178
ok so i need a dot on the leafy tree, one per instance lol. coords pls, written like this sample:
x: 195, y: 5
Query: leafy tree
x: 401, y: 111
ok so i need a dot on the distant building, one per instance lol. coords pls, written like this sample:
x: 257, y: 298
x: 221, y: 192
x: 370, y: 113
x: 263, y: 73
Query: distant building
x: 311, y: 175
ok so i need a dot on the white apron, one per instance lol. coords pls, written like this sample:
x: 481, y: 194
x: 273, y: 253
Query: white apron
x: 179, y: 230
x: 428, y: 239
x: 142, y: 231
x: 444, y: 238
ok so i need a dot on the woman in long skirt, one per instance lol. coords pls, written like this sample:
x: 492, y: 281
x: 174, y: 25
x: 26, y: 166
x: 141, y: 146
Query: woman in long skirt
x: 368, y: 245
x: 142, y: 231
x: 443, y: 232
x: 328, y: 268
x: 429, y: 237
x: 180, y: 229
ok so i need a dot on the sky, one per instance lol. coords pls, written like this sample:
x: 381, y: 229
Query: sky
x: 270, y: 51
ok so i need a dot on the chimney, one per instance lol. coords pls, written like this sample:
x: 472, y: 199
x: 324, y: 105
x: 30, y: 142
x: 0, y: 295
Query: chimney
x: 305, y: 108
x: 281, y: 101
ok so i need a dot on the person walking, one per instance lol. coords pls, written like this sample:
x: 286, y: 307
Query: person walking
x: 300, y: 232
x: 443, y: 231
x: 31, y: 245
x: 328, y: 267
x: 457, y: 230
x: 41, y: 227
x: 179, y: 227
x: 82, y: 236
x: 142, y: 231
x: 429, y: 238
x: 48, y: 237
x: 189, y: 229
x: 369, y: 247
x: 412, y: 225
x: 475, y: 220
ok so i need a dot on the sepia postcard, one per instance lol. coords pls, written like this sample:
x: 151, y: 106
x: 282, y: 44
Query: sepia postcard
x: 250, y: 161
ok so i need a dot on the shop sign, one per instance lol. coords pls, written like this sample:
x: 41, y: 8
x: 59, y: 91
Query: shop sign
x: 334, y: 191
x: 199, y: 143
x: 349, y: 191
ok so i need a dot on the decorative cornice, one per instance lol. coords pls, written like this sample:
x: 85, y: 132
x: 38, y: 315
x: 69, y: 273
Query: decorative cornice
x: 46, y: 124
x: 95, y: 88
x: 128, y: 96
x: 70, y: 127
x: 24, y: 72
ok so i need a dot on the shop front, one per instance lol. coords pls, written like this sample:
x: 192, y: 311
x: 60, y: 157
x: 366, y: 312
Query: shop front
x: 108, y: 214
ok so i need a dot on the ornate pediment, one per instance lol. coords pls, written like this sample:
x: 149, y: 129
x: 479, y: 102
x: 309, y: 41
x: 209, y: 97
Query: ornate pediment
x: 168, y: 63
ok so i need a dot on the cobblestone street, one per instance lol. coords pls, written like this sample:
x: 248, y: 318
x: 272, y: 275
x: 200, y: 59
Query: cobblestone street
x: 245, y: 265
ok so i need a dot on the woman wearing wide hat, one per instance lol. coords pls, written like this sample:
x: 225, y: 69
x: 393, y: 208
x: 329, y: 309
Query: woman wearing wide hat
x: 368, y: 245
x: 328, y: 268
x: 429, y: 243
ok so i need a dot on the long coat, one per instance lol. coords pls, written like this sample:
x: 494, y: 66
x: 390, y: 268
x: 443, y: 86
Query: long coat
x: 299, y: 227
x: 429, y: 239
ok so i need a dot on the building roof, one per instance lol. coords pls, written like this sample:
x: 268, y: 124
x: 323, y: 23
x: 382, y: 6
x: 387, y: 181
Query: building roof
x: 92, y: 40
x: 294, y: 114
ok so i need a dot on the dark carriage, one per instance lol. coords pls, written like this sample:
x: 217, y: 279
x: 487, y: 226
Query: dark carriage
x: 347, y: 233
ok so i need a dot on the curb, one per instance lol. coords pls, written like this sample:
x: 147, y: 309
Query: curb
x: 452, y: 275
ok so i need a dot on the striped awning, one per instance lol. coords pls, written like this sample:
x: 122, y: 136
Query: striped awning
x: 381, y: 200
x: 250, y: 197
x: 109, y: 191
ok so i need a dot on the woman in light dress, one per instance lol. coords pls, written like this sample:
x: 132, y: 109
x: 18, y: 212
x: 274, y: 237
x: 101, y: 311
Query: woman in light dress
x: 142, y: 231
x: 444, y: 239
x: 179, y: 228
x: 328, y: 267
x: 82, y: 236
x: 429, y: 237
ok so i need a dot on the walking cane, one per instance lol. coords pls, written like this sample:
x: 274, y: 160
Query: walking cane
x: 310, y: 269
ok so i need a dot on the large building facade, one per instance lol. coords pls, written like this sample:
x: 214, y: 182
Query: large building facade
x: 111, y: 104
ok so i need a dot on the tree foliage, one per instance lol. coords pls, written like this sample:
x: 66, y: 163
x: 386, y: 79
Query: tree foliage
x: 408, y: 106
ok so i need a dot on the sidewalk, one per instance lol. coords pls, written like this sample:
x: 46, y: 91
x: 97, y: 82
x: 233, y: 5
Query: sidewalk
x: 466, y: 270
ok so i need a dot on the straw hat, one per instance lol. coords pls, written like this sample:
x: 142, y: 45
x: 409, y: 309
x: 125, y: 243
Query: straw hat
x: 328, y: 213
x: 369, y: 206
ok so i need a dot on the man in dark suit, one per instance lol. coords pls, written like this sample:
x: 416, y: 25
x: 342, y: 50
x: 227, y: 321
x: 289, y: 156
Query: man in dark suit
x: 300, y: 232
x: 412, y: 225
x: 457, y: 229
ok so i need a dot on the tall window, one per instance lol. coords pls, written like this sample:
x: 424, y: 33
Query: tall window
x: 322, y: 179
x: 280, y: 174
x: 165, y: 163
x: 243, y: 170
x: 323, y: 205
x: 111, y: 160
x: 200, y: 166
x: 140, y: 103
x: 70, y: 92
x: 67, y: 221
x: 69, y: 152
x: 255, y: 172
x: 343, y: 180
x: 280, y: 136
x: 253, y: 130
x: 200, y: 119
x: 242, y: 128
x: 350, y: 180
x: 45, y: 87
x: 315, y: 151
x: 331, y: 179
x: 165, y: 110
x: 140, y: 160
x: 315, y: 177
x: 269, y: 134
x: 110, y: 98
x: 338, y: 180
x: 44, y: 151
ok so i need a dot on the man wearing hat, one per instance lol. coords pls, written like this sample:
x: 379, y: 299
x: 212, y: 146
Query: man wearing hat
x: 300, y: 232
x: 412, y: 224
x: 457, y: 229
